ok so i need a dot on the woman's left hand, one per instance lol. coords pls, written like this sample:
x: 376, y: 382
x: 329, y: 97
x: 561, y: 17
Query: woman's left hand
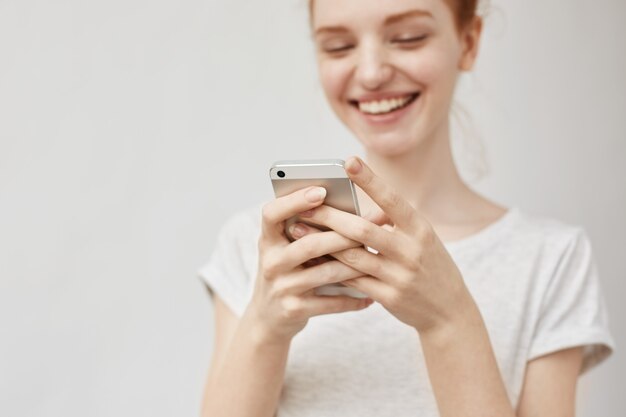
x: 413, y: 275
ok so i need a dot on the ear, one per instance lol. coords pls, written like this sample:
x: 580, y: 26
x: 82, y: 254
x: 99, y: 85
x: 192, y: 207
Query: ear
x: 470, y: 40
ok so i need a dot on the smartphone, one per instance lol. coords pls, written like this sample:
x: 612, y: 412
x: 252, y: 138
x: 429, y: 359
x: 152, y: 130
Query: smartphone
x: 293, y: 175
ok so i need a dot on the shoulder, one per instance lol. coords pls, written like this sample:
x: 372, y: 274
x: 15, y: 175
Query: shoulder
x: 534, y: 245
x: 551, y: 253
x: 517, y: 236
x: 231, y: 268
x: 242, y: 224
x: 545, y: 232
x: 570, y: 308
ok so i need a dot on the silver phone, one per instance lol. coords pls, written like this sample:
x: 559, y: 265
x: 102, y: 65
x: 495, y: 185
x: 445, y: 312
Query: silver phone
x: 293, y: 175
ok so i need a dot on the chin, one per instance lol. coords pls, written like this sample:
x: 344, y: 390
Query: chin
x: 390, y: 141
x: 388, y: 144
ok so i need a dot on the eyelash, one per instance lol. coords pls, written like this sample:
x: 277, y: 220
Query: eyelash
x: 402, y: 41
x: 411, y: 40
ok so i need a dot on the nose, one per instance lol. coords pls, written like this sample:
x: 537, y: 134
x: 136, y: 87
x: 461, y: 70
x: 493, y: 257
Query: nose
x: 373, y: 70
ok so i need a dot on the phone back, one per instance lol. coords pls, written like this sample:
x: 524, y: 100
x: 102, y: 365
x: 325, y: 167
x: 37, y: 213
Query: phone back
x: 290, y: 176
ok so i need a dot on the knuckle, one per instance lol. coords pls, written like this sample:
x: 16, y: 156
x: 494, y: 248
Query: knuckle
x: 352, y: 255
x: 266, y: 213
x: 392, y: 198
x: 404, y: 286
x: 411, y: 215
x: 363, y: 230
x: 394, y: 298
x: 291, y: 308
x: 279, y: 288
x: 264, y: 242
x: 418, y: 219
x: 425, y: 235
x: 270, y: 266
x: 327, y: 272
x: 415, y: 260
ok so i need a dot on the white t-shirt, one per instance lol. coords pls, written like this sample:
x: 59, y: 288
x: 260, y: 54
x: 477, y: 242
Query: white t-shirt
x: 534, y: 280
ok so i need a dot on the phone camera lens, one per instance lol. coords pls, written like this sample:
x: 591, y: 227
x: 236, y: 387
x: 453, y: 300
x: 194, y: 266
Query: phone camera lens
x: 281, y: 174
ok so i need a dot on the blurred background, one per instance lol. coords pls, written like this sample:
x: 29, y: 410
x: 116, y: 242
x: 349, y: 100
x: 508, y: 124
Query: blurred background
x: 130, y: 130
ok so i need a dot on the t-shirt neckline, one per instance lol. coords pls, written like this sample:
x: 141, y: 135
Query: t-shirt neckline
x: 486, y: 232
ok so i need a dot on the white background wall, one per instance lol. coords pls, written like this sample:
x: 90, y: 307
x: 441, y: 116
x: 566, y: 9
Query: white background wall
x: 129, y: 130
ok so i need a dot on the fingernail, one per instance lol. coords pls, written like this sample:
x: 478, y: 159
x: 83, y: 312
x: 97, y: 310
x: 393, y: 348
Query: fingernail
x: 297, y: 231
x: 315, y: 194
x: 353, y: 165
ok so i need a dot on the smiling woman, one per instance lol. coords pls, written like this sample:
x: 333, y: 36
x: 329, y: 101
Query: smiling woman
x: 391, y: 80
x: 474, y: 308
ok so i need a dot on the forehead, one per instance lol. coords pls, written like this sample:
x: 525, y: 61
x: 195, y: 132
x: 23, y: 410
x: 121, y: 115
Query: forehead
x: 370, y: 12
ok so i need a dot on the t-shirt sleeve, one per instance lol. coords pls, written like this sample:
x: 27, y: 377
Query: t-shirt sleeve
x: 573, y: 310
x: 227, y: 272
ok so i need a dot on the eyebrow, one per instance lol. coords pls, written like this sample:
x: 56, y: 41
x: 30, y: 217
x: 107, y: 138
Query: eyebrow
x: 388, y: 21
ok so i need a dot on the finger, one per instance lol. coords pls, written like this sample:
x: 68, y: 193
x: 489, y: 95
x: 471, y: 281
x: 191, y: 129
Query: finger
x: 378, y: 217
x: 327, y: 304
x: 306, y: 279
x: 390, y: 201
x: 277, y: 211
x: 354, y: 228
x: 317, y: 261
x: 375, y: 216
x: 369, y: 264
x: 374, y: 288
x: 315, y: 245
x: 298, y: 230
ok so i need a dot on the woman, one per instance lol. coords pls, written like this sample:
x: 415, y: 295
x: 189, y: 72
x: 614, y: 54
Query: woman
x: 478, y: 309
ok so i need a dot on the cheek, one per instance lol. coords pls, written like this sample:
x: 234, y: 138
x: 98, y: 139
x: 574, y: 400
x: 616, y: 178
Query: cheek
x: 433, y: 67
x: 333, y: 78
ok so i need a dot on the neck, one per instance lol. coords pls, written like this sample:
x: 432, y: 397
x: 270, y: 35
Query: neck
x: 427, y: 177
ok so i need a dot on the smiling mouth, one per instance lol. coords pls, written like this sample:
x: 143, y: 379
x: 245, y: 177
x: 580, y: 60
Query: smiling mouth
x: 386, y: 106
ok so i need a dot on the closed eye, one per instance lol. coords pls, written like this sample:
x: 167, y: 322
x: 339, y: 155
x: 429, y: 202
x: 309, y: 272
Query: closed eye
x: 403, y: 41
x: 411, y: 40
x: 341, y: 49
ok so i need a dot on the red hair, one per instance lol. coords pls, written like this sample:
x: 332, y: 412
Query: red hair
x: 464, y: 11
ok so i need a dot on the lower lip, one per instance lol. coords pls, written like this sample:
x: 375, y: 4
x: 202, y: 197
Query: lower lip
x: 388, y: 118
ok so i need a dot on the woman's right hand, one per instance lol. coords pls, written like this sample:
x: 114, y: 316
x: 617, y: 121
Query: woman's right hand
x: 284, y: 294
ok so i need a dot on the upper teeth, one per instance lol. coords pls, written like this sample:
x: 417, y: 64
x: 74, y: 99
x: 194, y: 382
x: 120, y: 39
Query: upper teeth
x: 383, y: 106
